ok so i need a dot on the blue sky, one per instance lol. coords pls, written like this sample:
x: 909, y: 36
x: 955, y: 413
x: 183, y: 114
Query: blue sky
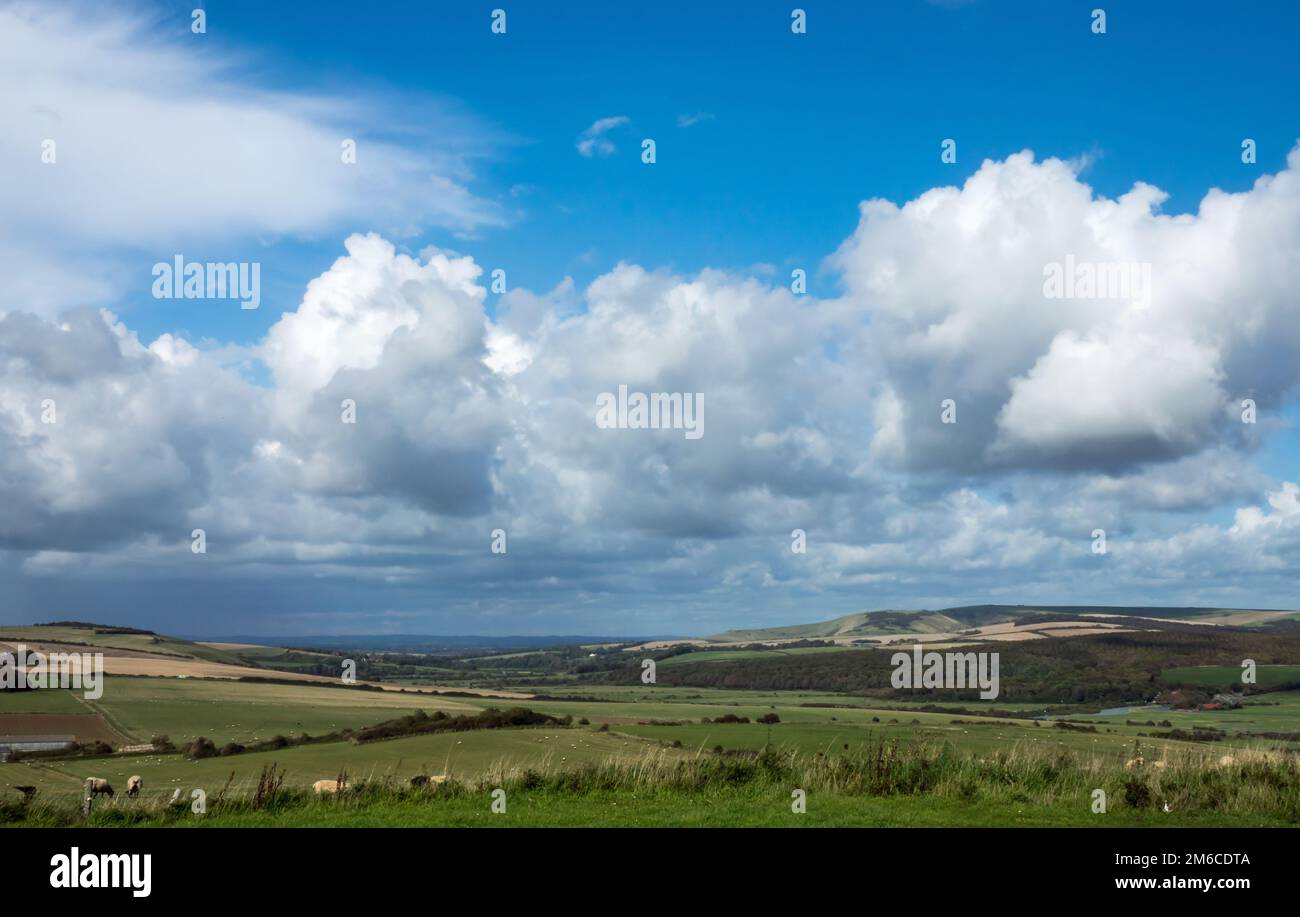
x: 475, y: 407
x: 796, y: 129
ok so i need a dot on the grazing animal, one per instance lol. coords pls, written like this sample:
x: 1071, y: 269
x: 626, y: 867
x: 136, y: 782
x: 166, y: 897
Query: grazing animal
x: 327, y: 786
x: 1159, y: 765
x: 423, y: 780
x: 134, y: 785
x: 97, y: 785
x: 1227, y: 761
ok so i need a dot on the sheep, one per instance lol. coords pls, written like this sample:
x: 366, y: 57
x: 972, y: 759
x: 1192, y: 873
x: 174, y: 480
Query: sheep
x: 97, y: 785
x: 1227, y: 761
x: 134, y: 784
x: 423, y: 780
x: 328, y: 786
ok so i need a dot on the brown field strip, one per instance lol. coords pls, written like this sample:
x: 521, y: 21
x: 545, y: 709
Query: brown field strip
x: 85, y: 726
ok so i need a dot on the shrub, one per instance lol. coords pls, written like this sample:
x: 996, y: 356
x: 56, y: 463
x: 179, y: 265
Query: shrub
x: 1137, y: 794
x: 491, y: 718
x: 201, y: 747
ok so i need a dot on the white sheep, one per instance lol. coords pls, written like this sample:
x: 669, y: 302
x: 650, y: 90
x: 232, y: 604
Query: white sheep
x: 97, y: 785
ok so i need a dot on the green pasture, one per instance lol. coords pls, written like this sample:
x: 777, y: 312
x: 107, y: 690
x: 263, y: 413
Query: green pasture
x: 462, y: 753
x: 227, y: 711
x: 744, y: 807
x: 1274, y: 712
x: 732, y: 655
x: 46, y: 701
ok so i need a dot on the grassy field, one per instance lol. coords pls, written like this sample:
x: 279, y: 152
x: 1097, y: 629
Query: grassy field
x: 1274, y: 712
x: 249, y: 712
x: 727, y: 809
x: 678, y: 712
x: 732, y: 655
x: 140, y: 708
x: 886, y: 784
x: 470, y: 754
x: 143, y: 643
x: 42, y: 702
x: 163, y: 705
x: 622, y: 726
x: 752, y: 698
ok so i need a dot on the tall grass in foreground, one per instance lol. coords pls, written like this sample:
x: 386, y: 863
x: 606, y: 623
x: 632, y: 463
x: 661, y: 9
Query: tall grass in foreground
x: 1246, y: 783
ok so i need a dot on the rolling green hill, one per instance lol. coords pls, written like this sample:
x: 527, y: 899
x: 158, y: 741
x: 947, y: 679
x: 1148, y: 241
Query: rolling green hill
x: 955, y: 620
x: 109, y: 639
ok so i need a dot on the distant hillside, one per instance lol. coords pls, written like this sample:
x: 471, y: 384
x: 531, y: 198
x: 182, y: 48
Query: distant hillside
x: 97, y: 628
x: 892, y: 622
x: 114, y: 640
x: 430, y: 643
x: 132, y: 651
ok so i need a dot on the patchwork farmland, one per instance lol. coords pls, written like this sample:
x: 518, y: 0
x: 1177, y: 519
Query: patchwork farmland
x: 217, y: 718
